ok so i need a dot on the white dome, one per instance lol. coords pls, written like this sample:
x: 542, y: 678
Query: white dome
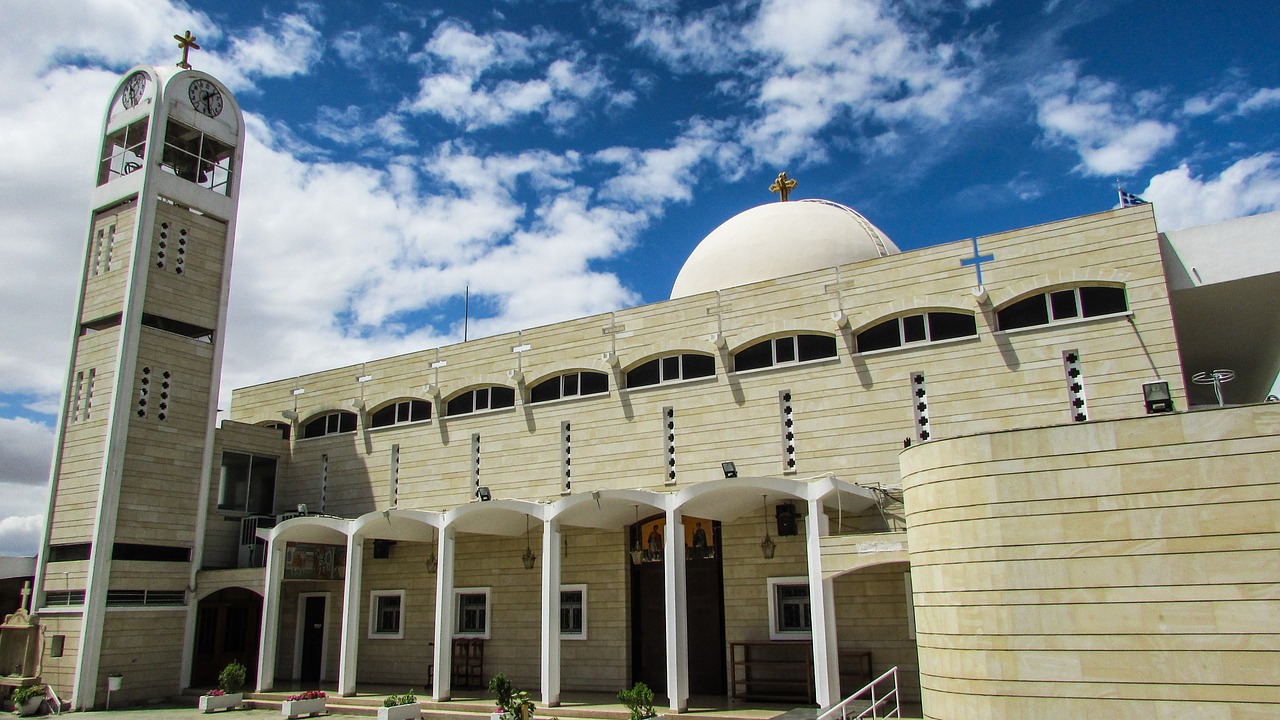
x: 776, y: 240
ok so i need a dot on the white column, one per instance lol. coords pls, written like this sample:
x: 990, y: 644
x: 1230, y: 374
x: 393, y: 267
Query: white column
x: 270, y: 633
x: 551, y: 613
x: 676, y: 614
x: 826, y: 659
x: 350, y: 648
x: 443, y: 673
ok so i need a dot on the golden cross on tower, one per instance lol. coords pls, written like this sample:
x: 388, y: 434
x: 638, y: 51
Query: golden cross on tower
x: 187, y: 43
x: 783, y: 185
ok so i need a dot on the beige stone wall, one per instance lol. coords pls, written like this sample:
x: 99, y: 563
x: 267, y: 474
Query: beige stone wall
x: 60, y: 672
x: 146, y: 647
x: 287, y: 642
x: 84, y: 440
x: 1121, y: 568
x: 110, y: 254
x: 184, y: 277
x: 162, y: 464
x: 992, y: 382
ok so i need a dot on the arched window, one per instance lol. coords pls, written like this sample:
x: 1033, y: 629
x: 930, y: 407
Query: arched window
x: 494, y: 397
x: 281, y: 427
x: 912, y: 329
x: 1062, y: 305
x: 332, y: 423
x: 672, y: 368
x: 784, y: 351
x: 399, y: 412
x: 572, y: 384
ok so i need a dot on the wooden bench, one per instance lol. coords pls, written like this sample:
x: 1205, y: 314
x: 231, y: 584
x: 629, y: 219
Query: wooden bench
x: 780, y: 671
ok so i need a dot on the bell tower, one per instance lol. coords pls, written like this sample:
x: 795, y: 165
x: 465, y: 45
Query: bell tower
x: 132, y: 459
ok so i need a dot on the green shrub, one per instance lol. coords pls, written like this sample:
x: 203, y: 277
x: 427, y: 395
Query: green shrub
x: 639, y: 700
x: 407, y: 699
x: 25, y: 693
x: 514, y: 704
x: 232, y: 676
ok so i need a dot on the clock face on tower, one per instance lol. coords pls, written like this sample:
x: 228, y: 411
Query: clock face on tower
x: 205, y: 97
x: 134, y: 86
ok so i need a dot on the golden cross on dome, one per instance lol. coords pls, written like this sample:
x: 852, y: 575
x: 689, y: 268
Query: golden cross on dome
x: 187, y: 43
x: 783, y: 185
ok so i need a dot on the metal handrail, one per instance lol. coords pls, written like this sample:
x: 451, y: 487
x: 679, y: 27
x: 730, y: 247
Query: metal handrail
x: 887, y: 700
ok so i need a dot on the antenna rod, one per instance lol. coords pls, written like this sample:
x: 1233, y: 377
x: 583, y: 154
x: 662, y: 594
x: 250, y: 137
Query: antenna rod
x: 466, y: 312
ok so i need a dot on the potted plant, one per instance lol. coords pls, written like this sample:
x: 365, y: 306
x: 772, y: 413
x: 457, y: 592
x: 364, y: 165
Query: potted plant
x: 513, y: 704
x: 27, y: 699
x: 400, y: 707
x: 639, y: 700
x: 228, y: 694
x: 309, y: 702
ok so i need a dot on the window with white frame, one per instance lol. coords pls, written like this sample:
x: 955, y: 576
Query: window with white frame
x: 1078, y: 303
x: 921, y: 328
x: 472, y: 619
x: 573, y: 612
x: 494, y: 397
x: 330, y: 423
x: 386, y: 614
x: 789, y: 614
x: 787, y: 350
x: 574, y: 384
x: 672, y: 368
x: 400, y: 412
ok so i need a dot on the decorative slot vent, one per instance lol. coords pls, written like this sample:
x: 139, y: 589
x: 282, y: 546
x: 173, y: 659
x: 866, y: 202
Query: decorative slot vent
x: 669, y: 442
x: 786, y: 412
x: 920, y: 407
x: 1078, y: 406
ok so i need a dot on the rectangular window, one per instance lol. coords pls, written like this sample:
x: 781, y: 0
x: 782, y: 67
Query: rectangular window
x: 386, y: 614
x: 248, y: 483
x: 789, y: 613
x: 573, y: 612
x: 473, y: 612
x: 123, y: 151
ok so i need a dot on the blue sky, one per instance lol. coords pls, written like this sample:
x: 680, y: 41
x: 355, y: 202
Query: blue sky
x: 563, y: 158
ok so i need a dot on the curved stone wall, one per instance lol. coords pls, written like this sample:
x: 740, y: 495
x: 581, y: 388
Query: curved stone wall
x: 1110, y: 569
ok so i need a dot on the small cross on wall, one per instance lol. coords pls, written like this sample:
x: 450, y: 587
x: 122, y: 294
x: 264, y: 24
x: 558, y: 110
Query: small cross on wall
x: 186, y: 43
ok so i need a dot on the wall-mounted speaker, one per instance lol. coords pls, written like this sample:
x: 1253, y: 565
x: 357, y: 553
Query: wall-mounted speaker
x: 786, y: 515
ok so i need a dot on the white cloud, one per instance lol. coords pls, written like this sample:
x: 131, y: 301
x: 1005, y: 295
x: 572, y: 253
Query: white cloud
x: 289, y: 45
x: 807, y: 64
x: 468, y: 93
x: 1247, y: 187
x: 25, y: 450
x: 654, y: 177
x: 1105, y: 129
x: 20, y: 534
x: 1260, y: 100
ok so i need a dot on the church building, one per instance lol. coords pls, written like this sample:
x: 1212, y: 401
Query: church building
x: 1033, y: 471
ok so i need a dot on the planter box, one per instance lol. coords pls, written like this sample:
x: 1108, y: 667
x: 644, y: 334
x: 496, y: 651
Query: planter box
x: 410, y: 711
x: 30, y: 707
x: 295, y: 708
x: 209, y: 703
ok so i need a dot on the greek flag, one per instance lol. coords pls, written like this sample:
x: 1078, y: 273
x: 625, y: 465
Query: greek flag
x: 1128, y: 199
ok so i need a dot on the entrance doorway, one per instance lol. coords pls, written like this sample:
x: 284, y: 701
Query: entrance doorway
x: 704, y: 586
x: 228, y: 625
x: 309, y: 657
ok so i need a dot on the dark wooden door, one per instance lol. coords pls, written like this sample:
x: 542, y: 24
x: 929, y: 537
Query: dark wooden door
x: 705, y: 588
x: 648, y: 626
x: 705, y: 630
x: 227, y: 627
x: 313, y: 617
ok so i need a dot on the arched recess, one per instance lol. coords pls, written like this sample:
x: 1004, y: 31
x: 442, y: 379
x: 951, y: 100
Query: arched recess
x: 228, y: 628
